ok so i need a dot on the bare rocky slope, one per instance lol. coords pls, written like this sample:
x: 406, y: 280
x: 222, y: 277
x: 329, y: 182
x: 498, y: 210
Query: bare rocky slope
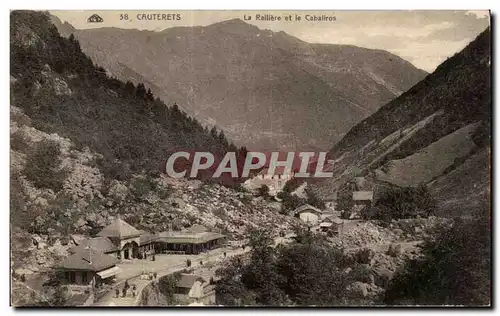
x: 437, y: 133
x: 265, y: 89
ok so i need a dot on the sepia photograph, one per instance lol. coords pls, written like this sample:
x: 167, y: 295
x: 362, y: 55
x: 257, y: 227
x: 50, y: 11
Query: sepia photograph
x: 231, y: 158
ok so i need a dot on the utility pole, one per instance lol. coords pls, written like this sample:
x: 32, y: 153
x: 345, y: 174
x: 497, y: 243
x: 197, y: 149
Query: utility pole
x: 90, y: 262
x: 90, y: 252
x: 142, y: 262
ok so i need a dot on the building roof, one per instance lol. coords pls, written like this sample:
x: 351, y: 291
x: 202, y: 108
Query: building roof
x: 279, y: 170
x: 81, y: 261
x: 362, y: 183
x: 147, y: 237
x: 197, y: 228
x: 329, y: 218
x: 308, y: 208
x: 362, y: 195
x: 98, y: 244
x: 188, y: 280
x: 175, y: 237
x: 119, y: 229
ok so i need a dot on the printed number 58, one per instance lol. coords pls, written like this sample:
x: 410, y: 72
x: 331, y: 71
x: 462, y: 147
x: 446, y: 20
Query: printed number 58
x: 123, y: 17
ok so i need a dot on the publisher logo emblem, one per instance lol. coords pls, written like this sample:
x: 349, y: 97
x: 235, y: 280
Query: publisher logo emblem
x: 94, y: 18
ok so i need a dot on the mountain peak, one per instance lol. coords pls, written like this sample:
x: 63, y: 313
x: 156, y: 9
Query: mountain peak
x: 234, y: 25
x: 231, y: 22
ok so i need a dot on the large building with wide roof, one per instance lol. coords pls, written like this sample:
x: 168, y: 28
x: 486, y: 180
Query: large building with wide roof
x: 88, y: 267
x: 94, y: 259
x: 124, y: 236
x: 188, y: 242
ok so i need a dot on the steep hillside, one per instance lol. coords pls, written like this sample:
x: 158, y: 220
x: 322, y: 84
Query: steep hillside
x: 266, y: 89
x: 85, y: 149
x: 60, y: 88
x: 435, y: 133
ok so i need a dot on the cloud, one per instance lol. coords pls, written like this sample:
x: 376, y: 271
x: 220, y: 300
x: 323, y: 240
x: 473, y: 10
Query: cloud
x: 424, y: 38
x: 429, y: 55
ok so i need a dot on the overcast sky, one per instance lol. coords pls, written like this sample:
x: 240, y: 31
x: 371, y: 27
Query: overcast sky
x: 424, y: 38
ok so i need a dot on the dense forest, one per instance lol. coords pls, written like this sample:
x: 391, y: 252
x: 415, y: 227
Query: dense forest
x: 132, y: 129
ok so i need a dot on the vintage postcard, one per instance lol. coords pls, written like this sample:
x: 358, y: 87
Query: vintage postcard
x: 250, y: 158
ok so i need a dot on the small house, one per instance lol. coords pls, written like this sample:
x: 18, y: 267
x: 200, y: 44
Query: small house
x: 275, y: 182
x: 362, y: 201
x: 362, y: 197
x: 308, y: 214
x: 88, y: 268
x: 331, y: 224
x: 98, y: 244
x: 192, y: 288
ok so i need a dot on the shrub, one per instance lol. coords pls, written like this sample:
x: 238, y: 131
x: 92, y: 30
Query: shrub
x: 18, y: 141
x: 245, y: 199
x: 362, y: 273
x: 314, y: 200
x: 345, y: 203
x: 454, y: 269
x: 364, y: 256
x: 263, y: 191
x: 219, y: 212
x: 289, y: 202
x: 394, y: 250
x: 141, y: 186
x: 398, y: 203
x: 42, y: 167
x: 167, y: 285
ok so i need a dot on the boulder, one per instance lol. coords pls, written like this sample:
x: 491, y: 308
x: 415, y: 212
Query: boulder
x: 80, y: 222
x: 398, y: 232
x: 23, y: 271
x: 357, y: 289
x: 177, y: 202
x: 394, y: 250
x: 382, y: 277
x: 91, y: 217
x: 40, y: 259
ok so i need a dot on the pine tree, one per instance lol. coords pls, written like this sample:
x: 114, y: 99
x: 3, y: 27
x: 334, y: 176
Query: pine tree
x: 129, y: 87
x: 140, y: 91
x: 149, y: 96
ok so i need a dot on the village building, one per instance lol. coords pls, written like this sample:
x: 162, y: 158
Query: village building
x: 362, y: 201
x: 360, y: 184
x: 88, y: 268
x: 275, y: 182
x: 97, y: 244
x: 331, y: 224
x: 92, y: 261
x: 188, y: 242
x: 147, y: 244
x: 124, y: 236
x: 308, y: 214
x: 192, y: 288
